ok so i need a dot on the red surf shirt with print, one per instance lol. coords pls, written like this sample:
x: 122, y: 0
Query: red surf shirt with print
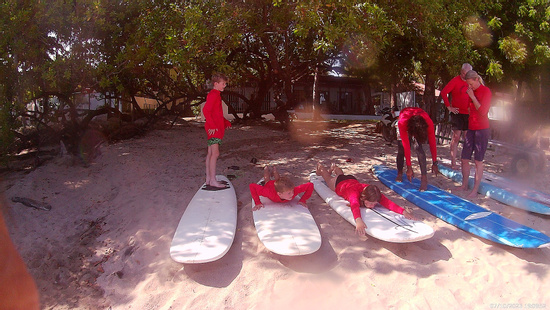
x: 268, y: 190
x: 213, y: 115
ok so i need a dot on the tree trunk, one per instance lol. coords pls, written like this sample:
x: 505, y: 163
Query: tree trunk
x: 429, y: 97
x: 368, y: 100
x: 393, y: 100
x: 315, y: 103
x: 289, y: 94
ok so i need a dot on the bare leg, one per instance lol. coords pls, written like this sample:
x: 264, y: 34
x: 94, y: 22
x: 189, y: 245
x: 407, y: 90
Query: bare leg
x: 478, y: 178
x: 327, y: 176
x: 399, y: 177
x: 454, y: 147
x: 207, y: 164
x: 422, y: 163
x: 423, y: 182
x: 465, y: 174
x: 267, y: 175
x: 275, y: 173
x: 214, y: 152
x: 400, y: 161
x: 335, y: 170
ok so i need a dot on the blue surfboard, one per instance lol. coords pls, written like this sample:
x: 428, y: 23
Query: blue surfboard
x: 498, y: 193
x: 463, y: 213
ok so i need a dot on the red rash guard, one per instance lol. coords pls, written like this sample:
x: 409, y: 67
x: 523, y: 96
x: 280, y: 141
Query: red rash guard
x: 404, y: 117
x: 351, y: 190
x: 213, y: 115
x: 268, y: 190
x: 479, y: 119
x: 457, y: 88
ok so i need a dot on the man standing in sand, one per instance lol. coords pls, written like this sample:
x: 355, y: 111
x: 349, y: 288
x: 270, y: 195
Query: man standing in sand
x: 458, y: 108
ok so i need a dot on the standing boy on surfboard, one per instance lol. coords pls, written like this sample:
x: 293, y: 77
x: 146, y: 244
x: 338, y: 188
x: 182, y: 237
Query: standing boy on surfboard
x: 415, y: 127
x: 279, y: 189
x: 214, y: 126
x: 358, y: 194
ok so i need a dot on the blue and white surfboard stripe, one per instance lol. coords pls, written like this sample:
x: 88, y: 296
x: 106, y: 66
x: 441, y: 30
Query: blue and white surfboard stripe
x: 497, y: 193
x: 463, y: 213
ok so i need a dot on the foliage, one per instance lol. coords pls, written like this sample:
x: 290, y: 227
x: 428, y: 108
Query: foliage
x: 6, y: 135
x: 167, y: 50
x: 521, y: 38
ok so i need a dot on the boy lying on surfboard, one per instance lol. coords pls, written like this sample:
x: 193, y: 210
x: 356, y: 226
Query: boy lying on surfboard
x: 358, y: 194
x: 279, y: 189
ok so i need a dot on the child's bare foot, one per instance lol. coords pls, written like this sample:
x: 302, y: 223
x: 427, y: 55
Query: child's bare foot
x: 319, y: 169
x: 332, y: 167
x: 215, y: 183
x: 266, y: 174
x: 463, y: 187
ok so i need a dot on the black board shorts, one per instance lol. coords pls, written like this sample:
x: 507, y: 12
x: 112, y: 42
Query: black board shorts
x: 343, y: 177
x: 459, y: 121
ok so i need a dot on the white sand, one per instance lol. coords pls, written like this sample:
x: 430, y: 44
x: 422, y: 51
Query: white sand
x: 105, y: 243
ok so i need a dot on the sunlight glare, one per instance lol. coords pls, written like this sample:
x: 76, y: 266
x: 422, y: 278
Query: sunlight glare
x: 307, y: 132
x: 477, y: 31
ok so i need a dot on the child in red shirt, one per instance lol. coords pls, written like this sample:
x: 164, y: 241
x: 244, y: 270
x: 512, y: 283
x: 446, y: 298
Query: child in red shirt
x: 214, y: 126
x: 279, y: 189
x: 358, y: 194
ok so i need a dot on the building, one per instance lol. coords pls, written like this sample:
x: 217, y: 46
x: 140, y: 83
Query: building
x: 337, y: 95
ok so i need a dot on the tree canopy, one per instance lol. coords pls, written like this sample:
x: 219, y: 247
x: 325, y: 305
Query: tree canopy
x: 167, y: 50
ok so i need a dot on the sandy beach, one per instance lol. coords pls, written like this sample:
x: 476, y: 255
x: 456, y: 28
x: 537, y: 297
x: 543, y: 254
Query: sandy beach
x: 105, y: 242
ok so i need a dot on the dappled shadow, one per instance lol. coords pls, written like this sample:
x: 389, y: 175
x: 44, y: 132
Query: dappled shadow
x: 286, y: 228
x: 366, y: 249
x: 504, y: 190
x: 321, y: 261
x: 381, y: 222
x: 423, y: 252
x: 219, y: 273
x: 141, y: 208
x: 463, y: 213
x: 207, y: 227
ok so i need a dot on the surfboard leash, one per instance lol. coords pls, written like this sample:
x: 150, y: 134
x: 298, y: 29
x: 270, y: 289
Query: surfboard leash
x: 398, y: 224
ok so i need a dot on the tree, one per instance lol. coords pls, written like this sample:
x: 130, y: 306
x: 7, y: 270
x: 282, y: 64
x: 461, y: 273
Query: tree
x: 40, y: 60
x: 430, y: 46
x: 520, y: 47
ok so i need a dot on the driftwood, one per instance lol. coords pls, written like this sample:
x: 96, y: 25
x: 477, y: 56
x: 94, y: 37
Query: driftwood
x: 32, y: 203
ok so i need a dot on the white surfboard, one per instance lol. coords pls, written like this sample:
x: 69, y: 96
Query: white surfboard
x: 286, y: 228
x: 207, y: 228
x: 381, y: 223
